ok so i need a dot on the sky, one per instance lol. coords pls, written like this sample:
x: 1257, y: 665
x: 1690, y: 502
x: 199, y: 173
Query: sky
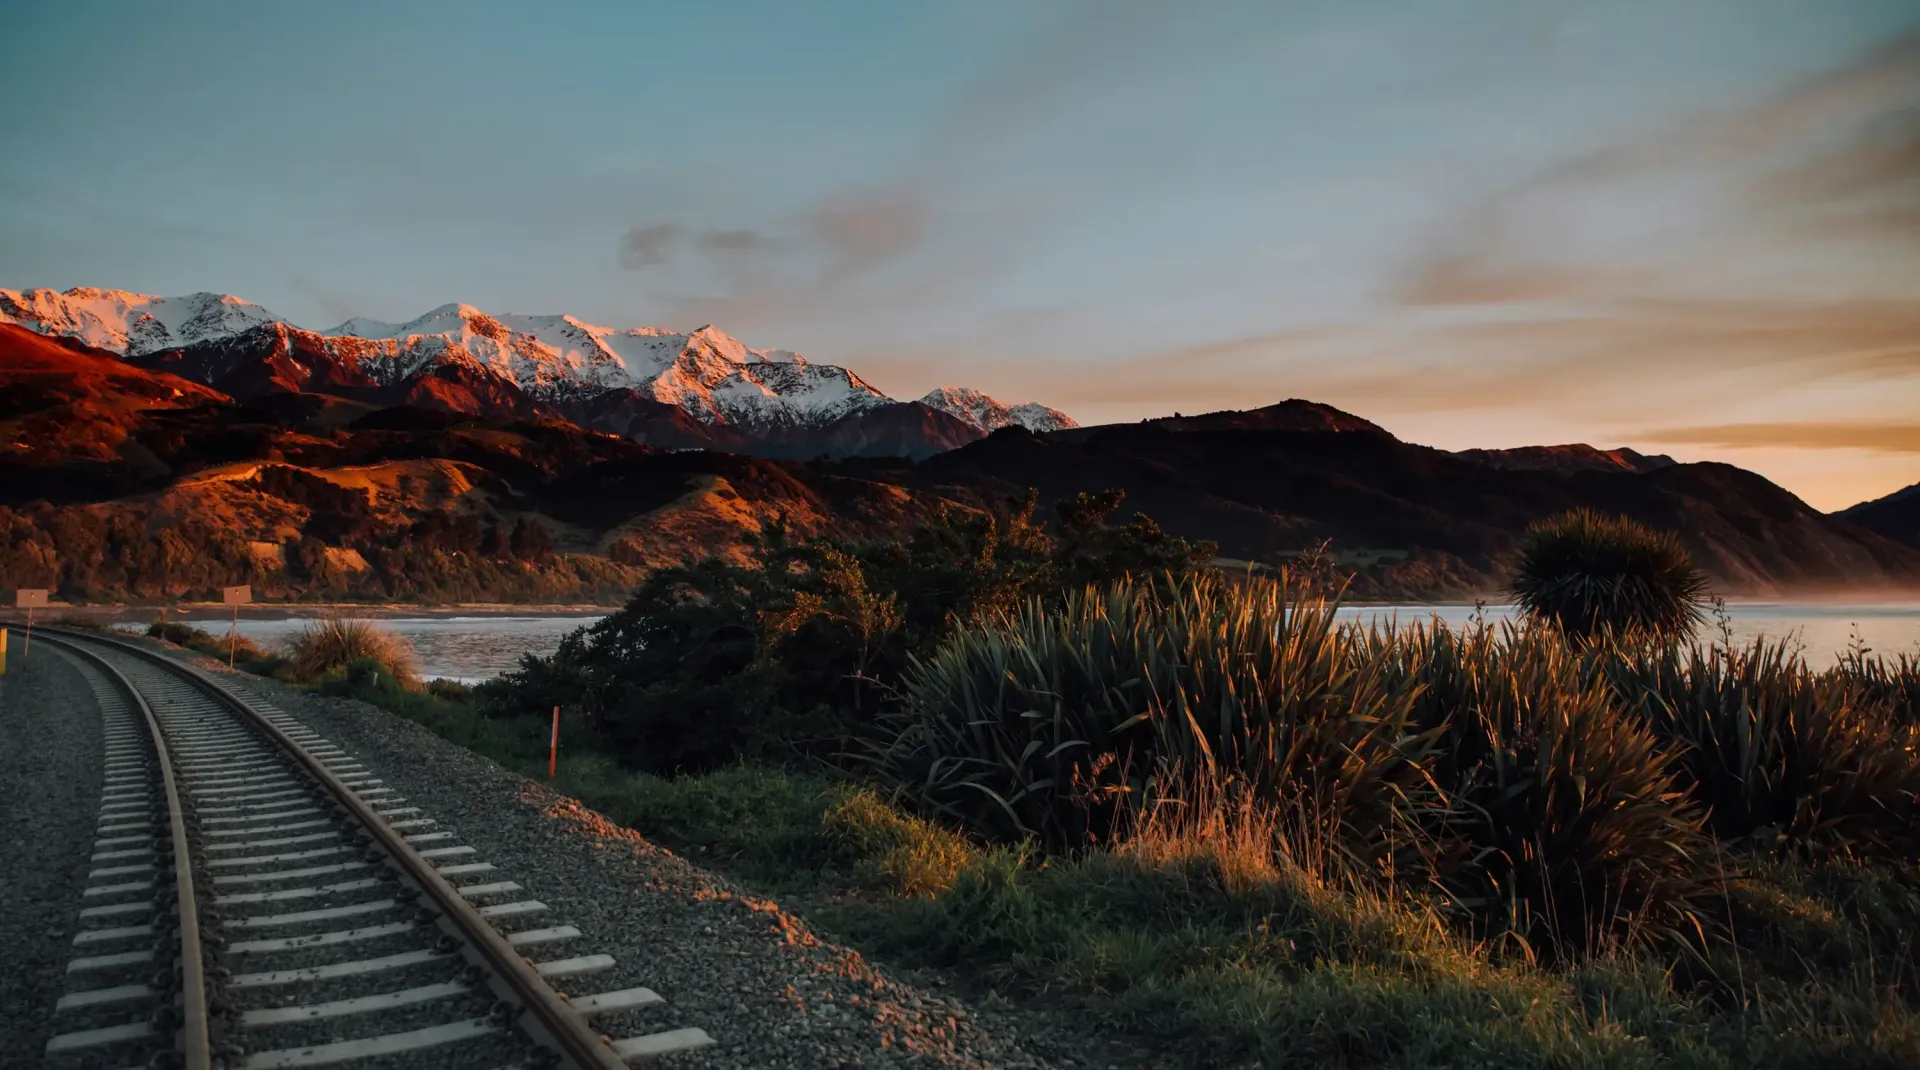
x: 1685, y: 226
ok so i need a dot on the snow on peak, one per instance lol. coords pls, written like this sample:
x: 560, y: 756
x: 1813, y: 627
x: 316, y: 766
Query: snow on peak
x: 984, y: 412
x: 131, y: 323
x: 714, y: 376
x: 711, y: 374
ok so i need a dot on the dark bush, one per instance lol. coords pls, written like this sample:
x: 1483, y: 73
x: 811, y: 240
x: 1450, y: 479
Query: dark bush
x: 1055, y: 723
x: 793, y: 655
x: 1566, y: 825
x: 1778, y: 755
x: 1589, y: 574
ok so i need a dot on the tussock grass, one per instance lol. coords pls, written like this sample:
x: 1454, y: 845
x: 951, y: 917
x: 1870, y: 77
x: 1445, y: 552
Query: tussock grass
x: 1780, y: 756
x: 1589, y: 574
x: 1055, y: 724
x: 333, y: 646
x: 1488, y: 764
x: 1565, y: 826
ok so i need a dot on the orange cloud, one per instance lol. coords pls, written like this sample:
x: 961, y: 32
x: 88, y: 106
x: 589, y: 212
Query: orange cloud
x: 1879, y: 437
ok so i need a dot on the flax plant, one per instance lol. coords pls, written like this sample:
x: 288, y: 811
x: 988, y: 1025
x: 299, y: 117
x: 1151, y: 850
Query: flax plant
x: 1052, y: 724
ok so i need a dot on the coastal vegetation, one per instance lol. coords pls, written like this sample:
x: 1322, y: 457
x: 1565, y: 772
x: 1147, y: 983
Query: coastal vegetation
x: 335, y: 644
x: 244, y: 652
x: 1068, y: 764
x: 1589, y: 574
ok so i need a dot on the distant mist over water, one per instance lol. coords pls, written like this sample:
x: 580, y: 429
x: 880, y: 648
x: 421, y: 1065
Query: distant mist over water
x: 1821, y: 631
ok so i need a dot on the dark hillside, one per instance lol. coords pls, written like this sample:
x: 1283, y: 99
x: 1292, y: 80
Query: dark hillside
x: 1897, y: 516
x: 1267, y: 494
x: 125, y: 481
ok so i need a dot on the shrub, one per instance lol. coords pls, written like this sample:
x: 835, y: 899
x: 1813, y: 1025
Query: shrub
x: 330, y: 646
x: 450, y: 690
x: 1587, y: 574
x: 245, y: 653
x: 1058, y: 723
x: 1895, y: 684
x: 1566, y: 826
x: 792, y: 656
x: 1778, y: 755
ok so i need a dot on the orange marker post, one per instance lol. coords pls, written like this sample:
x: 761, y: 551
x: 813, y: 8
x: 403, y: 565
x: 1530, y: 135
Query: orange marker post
x: 553, y: 747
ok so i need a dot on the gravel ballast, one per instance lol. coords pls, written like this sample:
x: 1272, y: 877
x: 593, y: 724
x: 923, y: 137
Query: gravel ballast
x: 755, y: 977
x: 50, y: 775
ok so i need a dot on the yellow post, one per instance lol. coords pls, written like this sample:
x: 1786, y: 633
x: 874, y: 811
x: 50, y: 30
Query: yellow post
x: 3, y: 651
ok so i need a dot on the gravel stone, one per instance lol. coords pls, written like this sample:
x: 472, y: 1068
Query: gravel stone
x: 770, y: 991
x: 50, y: 780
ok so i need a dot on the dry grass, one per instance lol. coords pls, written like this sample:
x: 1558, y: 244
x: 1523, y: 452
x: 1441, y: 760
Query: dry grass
x: 332, y: 646
x: 245, y: 653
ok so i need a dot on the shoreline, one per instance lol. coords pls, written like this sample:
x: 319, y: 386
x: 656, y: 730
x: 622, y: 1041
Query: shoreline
x: 122, y: 612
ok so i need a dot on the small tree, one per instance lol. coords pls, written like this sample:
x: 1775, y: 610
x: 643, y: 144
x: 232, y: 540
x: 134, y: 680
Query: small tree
x: 1588, y: 574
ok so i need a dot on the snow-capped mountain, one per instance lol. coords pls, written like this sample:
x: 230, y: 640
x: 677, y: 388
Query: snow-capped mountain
x: 458, y: 356
x: 128, y: 323
x: 716, y: 378
x: 989, y: 415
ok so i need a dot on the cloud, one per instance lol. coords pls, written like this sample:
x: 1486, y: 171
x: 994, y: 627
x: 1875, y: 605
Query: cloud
x: 736, y: 241
x: 337, y: 307
x: 1645, y: 359
x: 858, y: 247
x: 1879, y: 437
x: 859, y: 230
x: 1643, y: 355
x: 1880, y: 158
x: 1823, y: 161
x: 649, y: 245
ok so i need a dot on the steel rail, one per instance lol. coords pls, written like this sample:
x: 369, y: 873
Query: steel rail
x: 195, y: 1042
x: 553, y: 1021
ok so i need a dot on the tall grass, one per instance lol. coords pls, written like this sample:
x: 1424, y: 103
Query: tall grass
x: 1894, y: 683
x: 332, y: 646
x: 1563, y: 841
x: 1778, y: 755
x: 1565, y: 825
x: 1487, y: 765
x: 1058, y: 725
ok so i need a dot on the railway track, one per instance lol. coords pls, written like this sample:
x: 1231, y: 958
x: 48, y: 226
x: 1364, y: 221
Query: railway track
x: 258, y: 899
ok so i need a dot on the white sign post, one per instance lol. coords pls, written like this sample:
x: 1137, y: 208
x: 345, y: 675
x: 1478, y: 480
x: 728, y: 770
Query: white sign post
x: 29, y: 599
x: 235, y: 597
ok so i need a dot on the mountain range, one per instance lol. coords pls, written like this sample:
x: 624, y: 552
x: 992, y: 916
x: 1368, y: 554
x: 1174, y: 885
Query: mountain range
x: 700, y: 389
x: 153, y: 447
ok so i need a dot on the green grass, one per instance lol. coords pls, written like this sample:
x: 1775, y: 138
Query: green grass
x: 1213, y: 935
x: 1207, y: 947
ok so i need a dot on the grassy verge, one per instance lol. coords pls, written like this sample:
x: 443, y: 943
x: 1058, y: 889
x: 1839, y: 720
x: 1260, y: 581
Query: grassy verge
x: 1198, y: 941
x: 1216, y: 938
x: 245, y: 654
